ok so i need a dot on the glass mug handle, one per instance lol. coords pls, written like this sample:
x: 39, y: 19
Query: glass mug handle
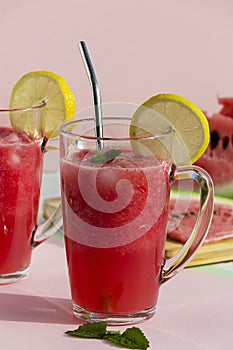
x: 175, y: 264
x: 45, y: 230
x: 54, y: 223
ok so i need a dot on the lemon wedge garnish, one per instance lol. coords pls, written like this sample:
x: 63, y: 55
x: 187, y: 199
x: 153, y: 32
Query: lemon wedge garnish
x: 184, y: 127
x: 35, y: 88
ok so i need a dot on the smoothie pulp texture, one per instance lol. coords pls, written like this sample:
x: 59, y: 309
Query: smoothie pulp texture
x: 115, y: 217
x: 20, y: 174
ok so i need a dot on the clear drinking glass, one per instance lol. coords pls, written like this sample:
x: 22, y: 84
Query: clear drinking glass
x: 21, y: 162
x: 115, y: 211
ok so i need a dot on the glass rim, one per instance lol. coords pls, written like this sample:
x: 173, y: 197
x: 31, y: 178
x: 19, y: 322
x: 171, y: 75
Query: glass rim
x: 24, y: 109
x: 65, y: 132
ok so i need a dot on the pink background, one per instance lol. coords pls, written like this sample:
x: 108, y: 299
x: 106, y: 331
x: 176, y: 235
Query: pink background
x: 139, y: 48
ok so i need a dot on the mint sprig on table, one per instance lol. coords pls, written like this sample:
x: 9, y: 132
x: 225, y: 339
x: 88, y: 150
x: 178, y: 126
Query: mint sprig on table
x: 108, y: 156
x: 131, y: 338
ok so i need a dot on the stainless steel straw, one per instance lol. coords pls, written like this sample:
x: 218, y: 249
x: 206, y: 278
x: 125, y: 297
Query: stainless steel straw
x: 95, y: 92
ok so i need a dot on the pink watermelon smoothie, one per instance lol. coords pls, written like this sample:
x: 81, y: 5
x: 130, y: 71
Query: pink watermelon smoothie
x: 20, y: 173
x: 115, y: 217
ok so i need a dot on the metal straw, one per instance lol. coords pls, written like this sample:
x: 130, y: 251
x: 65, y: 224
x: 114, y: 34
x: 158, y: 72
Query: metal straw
x: 95, y: 92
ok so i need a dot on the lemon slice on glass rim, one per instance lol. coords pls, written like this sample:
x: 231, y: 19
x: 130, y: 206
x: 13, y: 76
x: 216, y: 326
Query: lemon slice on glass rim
x: 184, y: 127
x: 41, y: 87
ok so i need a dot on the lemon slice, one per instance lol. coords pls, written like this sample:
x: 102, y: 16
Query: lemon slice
x: 183, y: 126
x: 34, y: 88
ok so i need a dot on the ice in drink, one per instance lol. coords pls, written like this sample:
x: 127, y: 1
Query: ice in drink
x: 115, y: 217
x: 20, y: 178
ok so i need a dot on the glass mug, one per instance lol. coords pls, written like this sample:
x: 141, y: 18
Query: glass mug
x: 115, y: 205
x: 21, y: 160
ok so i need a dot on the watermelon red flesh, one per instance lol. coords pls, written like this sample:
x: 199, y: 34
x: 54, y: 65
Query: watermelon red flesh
x: 227, y: 106
x: 218, y: 158
x: 182, y: 222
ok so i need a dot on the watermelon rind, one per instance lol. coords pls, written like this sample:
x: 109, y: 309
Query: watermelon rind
x: 225, y: 190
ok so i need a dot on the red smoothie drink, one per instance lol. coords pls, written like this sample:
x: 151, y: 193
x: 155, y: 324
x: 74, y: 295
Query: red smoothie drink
x: 20, y: 178
x: 115, y: 217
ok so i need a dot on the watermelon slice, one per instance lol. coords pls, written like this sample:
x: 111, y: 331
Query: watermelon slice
x: 183, y: 214
x: 218, y: 158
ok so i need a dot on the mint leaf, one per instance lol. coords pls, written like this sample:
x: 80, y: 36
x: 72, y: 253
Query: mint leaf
x: 111, y: 155
x: 97, y: 158
x: 131, y: 338
x: 108, y: 156
x: 96, y: 330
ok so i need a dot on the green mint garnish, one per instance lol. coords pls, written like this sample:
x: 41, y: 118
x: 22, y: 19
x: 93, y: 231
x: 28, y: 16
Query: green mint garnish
x: 131, y: 338
x: 95, y: 330
x: 108, y: 156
